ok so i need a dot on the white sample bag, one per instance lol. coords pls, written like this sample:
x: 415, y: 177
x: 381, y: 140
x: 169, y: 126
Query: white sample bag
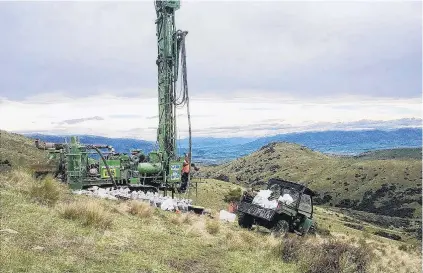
x: 286, y: 198
x: 167, y: 204
x: 227, y: 216
x: 262, y: 199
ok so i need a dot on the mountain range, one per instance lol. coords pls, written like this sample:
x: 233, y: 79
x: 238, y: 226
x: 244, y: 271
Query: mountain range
x: 209, y: 150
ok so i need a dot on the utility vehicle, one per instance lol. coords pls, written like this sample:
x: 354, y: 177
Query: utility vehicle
x: 296, y: 215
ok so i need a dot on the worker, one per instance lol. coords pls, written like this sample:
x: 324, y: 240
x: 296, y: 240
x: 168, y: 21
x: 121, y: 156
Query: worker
x: 185, y: 172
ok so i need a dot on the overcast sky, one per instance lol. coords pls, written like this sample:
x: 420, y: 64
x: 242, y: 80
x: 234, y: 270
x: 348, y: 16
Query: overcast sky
x: 282, y: 64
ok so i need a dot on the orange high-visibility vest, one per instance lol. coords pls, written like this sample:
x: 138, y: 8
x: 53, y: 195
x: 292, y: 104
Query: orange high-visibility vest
x: 185, y: 168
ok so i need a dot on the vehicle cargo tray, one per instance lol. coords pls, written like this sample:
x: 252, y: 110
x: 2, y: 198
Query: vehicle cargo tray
x: 256, y: 211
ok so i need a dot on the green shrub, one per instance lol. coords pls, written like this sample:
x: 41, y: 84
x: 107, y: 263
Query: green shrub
x: 233, y: 195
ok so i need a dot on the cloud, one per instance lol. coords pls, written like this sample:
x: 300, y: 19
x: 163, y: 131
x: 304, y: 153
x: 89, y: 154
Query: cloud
x: 124, y: 116
x: 79, y: 120
x: 267, y: 48
x: 132, y: 117
x: 266, y: 129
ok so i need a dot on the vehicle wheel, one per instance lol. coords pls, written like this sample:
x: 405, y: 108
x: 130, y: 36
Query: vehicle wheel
x: 280, y: 228
x: 245, y: 220
x: 313, y: 229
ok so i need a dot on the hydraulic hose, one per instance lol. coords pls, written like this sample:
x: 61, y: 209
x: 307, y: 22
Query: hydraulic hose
x: 185, y: 95
x: 105, y: 163
x: 185, y: 82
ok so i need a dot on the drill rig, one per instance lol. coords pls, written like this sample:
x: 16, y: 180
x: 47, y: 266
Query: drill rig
x: 165, y: 165
x: 160, y: 169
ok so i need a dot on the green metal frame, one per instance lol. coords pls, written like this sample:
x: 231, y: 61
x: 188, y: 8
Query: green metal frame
x: 166, y: 63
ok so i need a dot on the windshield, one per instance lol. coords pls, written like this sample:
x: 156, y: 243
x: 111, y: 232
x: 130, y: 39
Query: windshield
x: 305, y: 203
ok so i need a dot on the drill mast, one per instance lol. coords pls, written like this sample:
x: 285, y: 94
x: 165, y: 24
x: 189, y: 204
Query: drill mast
x: 170, y: 43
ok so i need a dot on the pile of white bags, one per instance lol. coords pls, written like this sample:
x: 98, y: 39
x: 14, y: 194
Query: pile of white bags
x: 262, y: 199
x: 154, y: 199
x: 286, y: 198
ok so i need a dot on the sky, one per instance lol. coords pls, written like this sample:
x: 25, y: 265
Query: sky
x: 254, y: 68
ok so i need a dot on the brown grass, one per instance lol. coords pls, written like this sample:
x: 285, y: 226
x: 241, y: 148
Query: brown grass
x: 175, y: 219
x: 18, y: 179
x: 331, y: 256
x: 88, y: 213
x: 179, y: 219
x: 188, y: 218
x: 212, y: 226
x: 140, y: 209
x: 47, y: 191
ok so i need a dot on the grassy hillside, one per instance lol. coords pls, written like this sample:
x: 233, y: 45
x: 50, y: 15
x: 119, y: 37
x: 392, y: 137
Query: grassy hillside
x: 400, y: 153
x: 45, y: 228
x: 19, y: 150
x: 80, y: 234
x: 391, y: 187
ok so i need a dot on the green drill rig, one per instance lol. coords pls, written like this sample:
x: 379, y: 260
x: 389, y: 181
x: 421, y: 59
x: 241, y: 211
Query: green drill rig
x: 160, y: 169
x: 165, y: 165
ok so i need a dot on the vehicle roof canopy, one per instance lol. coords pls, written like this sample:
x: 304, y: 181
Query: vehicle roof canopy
x: 294, y: 185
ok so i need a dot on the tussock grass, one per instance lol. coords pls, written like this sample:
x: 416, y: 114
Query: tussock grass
x: 241, y: 240
x: 234, y: 241
x: 331, y: 256
x: 212, y: 226
x: 140, y: 209
x: 249, y: 238
x: 179, y: 219
x: 47, y: 191
x: 88, y: 213
x: 188, y: 219
x: 175, y: 219
x: 322, y: 231
x: 17, y: 180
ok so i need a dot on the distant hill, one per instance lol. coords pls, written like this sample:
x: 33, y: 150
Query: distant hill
x: 208, y: 150
x: 214, y: 141
x: 347, y: 142
x: 400, y: 153
x: 390, y: 187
